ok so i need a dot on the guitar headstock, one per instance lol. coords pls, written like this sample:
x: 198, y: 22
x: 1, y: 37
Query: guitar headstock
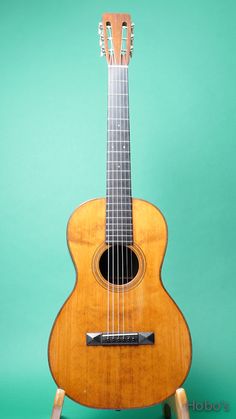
x: 116, y: 38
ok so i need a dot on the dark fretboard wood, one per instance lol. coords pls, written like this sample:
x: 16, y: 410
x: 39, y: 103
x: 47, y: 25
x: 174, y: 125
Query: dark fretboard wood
x: 119, y: 227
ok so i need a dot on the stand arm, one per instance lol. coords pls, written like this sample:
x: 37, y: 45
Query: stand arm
x: 178, y: 404
x: 58, y: 404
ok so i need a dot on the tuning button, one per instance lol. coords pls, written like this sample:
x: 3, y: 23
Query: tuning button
x: 100, y: 28
x: 103, y: 52
x: 131, y: 50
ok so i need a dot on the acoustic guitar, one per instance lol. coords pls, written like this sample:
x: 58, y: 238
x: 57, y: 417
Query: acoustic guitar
x: 119, y: 341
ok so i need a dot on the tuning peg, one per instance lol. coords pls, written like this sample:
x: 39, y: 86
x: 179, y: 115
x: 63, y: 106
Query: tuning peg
x: 132, y: 28
x: 100, y: 28
x: 103, y: 52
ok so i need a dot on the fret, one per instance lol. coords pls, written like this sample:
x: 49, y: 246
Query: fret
x: 113, y: 180
x: 117, y: 201
x: 116, y: 106
x: 118, y: 163
x: 117, y: 217
x: 118, y: 187
x: 120, y: 81
x: 124, y: 224
x: 124, y: 212
x: 114, y: 230
x: 118, y: 65
x: 127, y: 162
x: 120, y: 203
x: 118, y: 148
x: 123, y: 239
x: 125, y: 185
x: 119, y: 167
x: 117, y: 232
x: 122, y: 235
x: 124, y: 179
x: 126, y: 233
x: 120, y: 227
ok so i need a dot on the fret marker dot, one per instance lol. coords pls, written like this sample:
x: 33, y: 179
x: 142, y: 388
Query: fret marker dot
x: 123, y: 146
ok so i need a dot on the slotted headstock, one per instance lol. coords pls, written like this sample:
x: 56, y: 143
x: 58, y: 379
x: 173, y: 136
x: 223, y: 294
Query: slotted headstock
x: 116, y: 38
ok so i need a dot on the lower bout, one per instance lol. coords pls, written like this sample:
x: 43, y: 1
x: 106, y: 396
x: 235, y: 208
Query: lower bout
x: 120, y: 377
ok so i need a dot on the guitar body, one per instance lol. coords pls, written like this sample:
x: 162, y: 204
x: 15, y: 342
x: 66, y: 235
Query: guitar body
x: 123, y: 376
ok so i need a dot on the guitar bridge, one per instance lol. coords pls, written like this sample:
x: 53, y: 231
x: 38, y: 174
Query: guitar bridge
x: 108, y: 339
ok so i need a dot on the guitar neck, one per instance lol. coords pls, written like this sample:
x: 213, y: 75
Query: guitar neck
x: 118, y: 188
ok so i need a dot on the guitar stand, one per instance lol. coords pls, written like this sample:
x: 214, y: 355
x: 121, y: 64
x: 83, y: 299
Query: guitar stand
x: 177, y: 404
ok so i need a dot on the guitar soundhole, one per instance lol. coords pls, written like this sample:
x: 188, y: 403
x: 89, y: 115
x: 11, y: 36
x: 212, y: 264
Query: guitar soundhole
x: 119, y: 264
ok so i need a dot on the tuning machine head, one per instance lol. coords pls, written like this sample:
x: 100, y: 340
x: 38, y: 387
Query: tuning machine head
x: 116, y: 38
x: 132, y: 40
x: 101, y: 39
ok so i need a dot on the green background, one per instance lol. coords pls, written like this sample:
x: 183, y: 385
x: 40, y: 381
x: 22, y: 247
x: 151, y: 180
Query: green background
x: 53, y: 148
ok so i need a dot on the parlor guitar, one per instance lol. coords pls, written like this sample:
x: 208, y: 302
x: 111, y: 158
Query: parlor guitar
x: 119, y: 341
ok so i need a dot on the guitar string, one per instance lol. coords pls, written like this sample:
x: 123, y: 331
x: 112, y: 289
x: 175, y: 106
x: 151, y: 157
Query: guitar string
x: 118, y: 165
x: 127, y: 239
x: 123, y: 294
x: 108, y: 219
x: 124, y: 89
x: 113, y: 212
x: 120, y: 188
x: 131, y: 201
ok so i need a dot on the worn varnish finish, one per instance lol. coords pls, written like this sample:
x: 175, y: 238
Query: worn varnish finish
x: 123, y: 376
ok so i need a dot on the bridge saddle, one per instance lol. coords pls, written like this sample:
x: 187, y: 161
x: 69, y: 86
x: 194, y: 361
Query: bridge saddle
x: 133, y: 338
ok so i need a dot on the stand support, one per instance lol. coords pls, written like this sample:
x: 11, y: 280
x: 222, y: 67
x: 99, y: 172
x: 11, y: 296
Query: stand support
x: 177, y: 404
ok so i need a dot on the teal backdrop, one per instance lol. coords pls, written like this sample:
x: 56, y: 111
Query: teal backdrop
x: 53, y: 149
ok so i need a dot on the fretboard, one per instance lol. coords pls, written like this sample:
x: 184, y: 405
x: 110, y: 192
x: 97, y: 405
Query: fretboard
x: 119, y: 226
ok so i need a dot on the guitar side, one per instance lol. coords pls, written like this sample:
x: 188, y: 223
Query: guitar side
x: 119, y: 377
